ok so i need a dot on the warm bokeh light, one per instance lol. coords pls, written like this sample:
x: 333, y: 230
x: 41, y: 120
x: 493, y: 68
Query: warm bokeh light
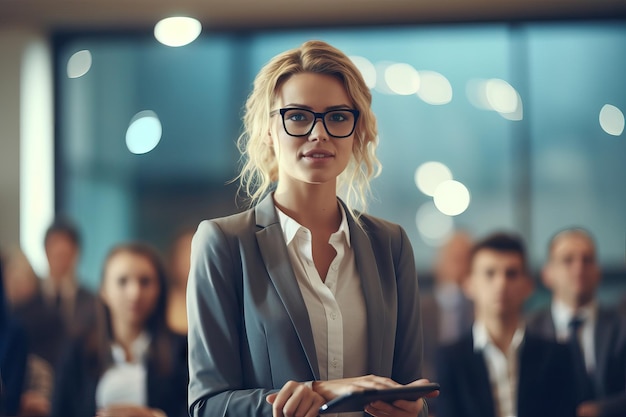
x: 79, y: 64
x: 475, y: 91
x: 177, y: 31
x: 433, y: 226
x: 518, y: 114
x: 434, y: 88
x: 402, y: 79
x: 501, y: 96
x: 368, y: 70
x: 429, y: 175
x: 144, y: 132
x: 497, y: 95
x: 612, y: 120
x: 451, y: 198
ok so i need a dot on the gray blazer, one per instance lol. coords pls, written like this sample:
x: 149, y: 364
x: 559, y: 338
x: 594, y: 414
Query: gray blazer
x: 249, y: 330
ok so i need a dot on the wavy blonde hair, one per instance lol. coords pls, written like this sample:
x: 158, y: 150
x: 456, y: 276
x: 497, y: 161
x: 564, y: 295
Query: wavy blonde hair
x: 259, y: 169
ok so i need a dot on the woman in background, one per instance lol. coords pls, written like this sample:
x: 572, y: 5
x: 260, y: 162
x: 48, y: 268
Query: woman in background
x: 131, y: 365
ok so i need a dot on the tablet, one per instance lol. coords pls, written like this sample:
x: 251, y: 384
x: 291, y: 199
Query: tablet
x: 356, y: 401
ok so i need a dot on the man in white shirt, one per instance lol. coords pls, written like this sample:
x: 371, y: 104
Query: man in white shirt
x: 595, y: 334
x: 498, y: 370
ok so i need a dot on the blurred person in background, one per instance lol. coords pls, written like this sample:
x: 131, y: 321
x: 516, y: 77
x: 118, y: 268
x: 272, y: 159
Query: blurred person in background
x: 22, y: 285
x: 177, y: 291
x: 61, y: 307
x: 594, y: 333
x: 130, y: 364
x: 13, y: 352
x: 499, y: 369
x: 448, y: 313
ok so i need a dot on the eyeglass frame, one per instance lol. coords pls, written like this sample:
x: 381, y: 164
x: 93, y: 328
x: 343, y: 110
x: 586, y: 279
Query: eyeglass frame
x: 316, y: 115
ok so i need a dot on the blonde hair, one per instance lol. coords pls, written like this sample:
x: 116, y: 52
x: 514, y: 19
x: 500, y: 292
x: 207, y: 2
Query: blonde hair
x: 259, y: 170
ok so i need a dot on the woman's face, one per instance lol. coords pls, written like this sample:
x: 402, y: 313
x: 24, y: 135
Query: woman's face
x: 130, y: 288
x: 317, y: 158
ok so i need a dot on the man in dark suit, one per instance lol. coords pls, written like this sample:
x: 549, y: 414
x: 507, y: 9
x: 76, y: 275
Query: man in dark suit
x: 499, y: 369
x: 594, y: 334
x: 61, y: 307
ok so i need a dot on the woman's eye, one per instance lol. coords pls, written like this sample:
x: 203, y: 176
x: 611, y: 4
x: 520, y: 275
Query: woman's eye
x: 338, y: 117
x: 145, y: 281
x: 297, y: 117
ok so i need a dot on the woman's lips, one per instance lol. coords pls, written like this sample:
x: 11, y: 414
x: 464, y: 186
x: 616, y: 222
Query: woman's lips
x: 318, y: 154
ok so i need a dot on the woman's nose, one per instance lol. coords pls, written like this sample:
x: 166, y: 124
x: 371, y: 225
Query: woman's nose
x: 319, y: 131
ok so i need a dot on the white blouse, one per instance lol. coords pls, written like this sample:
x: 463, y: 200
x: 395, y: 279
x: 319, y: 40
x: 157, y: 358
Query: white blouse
x: 125, y: 381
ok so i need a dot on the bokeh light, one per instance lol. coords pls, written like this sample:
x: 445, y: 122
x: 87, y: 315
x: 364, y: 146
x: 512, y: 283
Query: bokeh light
x: 402, y: 79
x: 612, y: 120
x: 368, y: 70
x: 434, y: 88
x: 429, y: 175
x: 144, y: 132
x: 501, y: 96
x: 433, y: 226
x: 451, y: 198
x: 177, y: 31
x: 79, y: 64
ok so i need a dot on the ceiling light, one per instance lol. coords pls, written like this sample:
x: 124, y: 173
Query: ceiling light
x: 177, y: 31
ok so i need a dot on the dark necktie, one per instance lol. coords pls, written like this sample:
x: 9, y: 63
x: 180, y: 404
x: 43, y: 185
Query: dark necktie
x: 583, y: 380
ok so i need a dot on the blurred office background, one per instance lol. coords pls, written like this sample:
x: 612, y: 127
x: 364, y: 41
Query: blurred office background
x: 520, y: 105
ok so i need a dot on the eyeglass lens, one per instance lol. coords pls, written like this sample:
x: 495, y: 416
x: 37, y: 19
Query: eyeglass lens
x: 299, y: 122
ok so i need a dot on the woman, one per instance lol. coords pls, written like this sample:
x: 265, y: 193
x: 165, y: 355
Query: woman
x: 130, y: 365
x: 301, y: 298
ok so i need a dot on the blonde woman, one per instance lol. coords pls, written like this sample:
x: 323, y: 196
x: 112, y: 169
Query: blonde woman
x: 303, y: 298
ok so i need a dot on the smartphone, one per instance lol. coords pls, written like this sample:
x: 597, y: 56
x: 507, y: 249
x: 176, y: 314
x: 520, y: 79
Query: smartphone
x: 356, y: 401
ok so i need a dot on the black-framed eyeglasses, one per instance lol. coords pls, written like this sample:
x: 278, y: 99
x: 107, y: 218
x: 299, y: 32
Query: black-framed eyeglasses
x: 300, y: 122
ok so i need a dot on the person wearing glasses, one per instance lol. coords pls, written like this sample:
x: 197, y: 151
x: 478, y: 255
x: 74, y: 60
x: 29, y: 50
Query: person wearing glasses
x: 303, y: 297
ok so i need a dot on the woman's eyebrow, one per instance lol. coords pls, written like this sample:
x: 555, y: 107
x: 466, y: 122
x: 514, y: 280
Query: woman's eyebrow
x: 304, y: 106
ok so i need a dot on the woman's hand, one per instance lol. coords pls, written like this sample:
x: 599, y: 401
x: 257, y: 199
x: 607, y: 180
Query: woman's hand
x: 129, y: 411
x: 400, y: 408
x: 336, y: 387
x: 295, y: 399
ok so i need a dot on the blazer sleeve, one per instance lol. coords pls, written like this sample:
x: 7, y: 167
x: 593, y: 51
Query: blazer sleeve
x: 390, y: 244
x: 215, y: 328
x: 408, y: 352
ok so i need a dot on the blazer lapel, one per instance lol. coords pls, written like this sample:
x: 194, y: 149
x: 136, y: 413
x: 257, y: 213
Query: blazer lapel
x: 365, y: 260
x: 276, y: 259
x: 604, y: 332
x: 478, y: 383
x: 547, y: 328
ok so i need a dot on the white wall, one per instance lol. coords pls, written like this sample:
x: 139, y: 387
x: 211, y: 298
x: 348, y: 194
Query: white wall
x: 26, y: 141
